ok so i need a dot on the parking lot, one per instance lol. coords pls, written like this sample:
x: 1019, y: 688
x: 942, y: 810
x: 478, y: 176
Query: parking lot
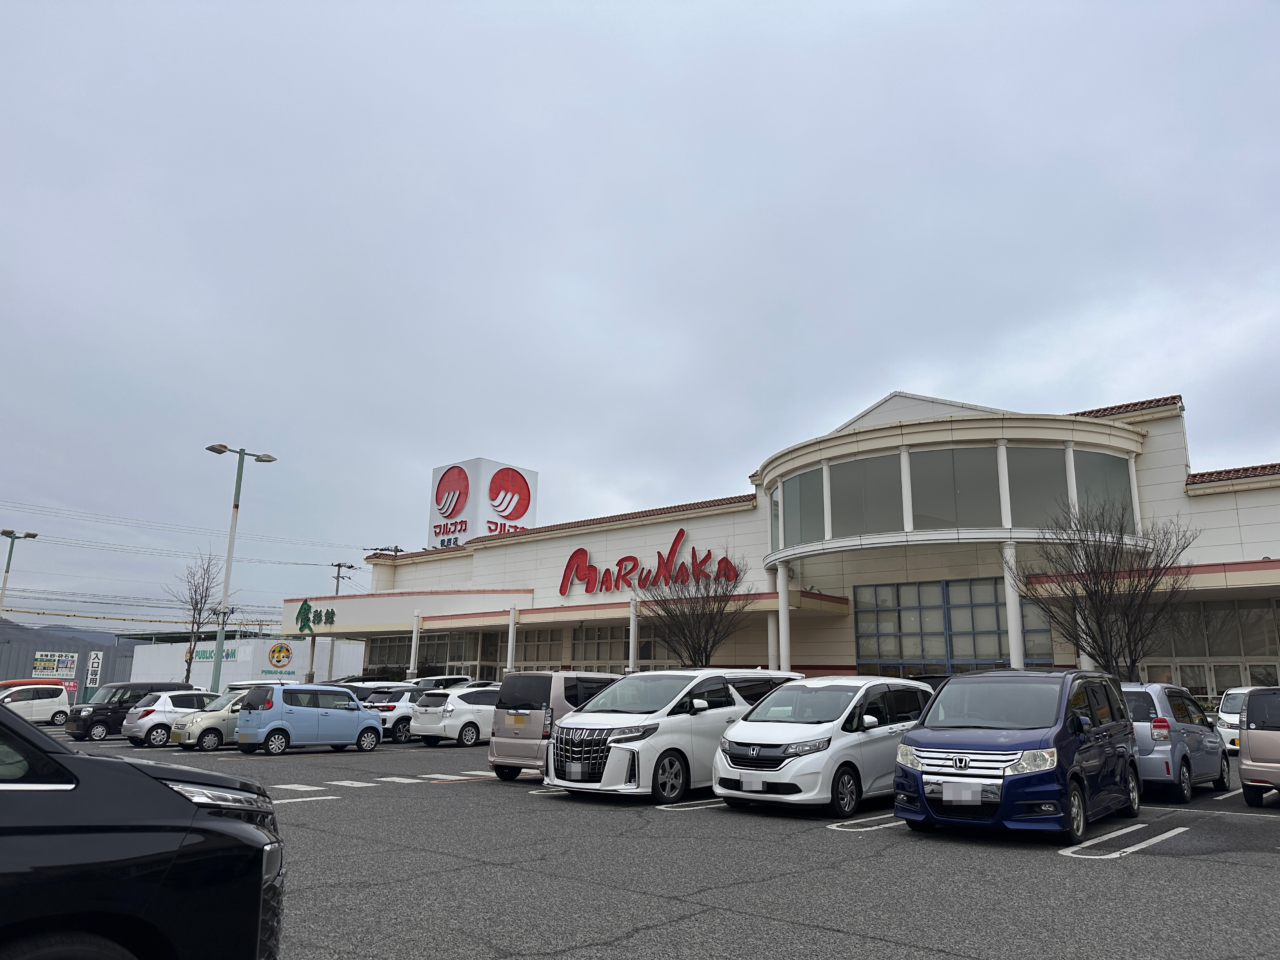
x: 418, y: 852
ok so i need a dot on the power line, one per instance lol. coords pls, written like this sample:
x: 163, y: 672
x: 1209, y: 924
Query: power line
x: 105, y: 599
x: 159, y: 551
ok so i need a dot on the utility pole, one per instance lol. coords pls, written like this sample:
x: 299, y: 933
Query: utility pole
x: 13, y: 538
x: 339, y: 576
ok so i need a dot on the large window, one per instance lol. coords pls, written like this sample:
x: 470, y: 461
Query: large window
x: 955, y: 488
x: 1215, y: 645
x: 1103, y: 480
x: 802, y: 508
x: 1037, y: 485
x: 866, y: 496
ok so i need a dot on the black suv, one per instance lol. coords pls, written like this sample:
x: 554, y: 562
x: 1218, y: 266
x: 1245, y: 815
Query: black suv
x: 110, y: 859
x: 103, y: 715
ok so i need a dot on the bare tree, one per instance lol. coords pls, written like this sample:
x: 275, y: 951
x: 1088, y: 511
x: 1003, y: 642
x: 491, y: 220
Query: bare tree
x: 195, y: 592
x: 694, y: 610
x: 1109, y: 592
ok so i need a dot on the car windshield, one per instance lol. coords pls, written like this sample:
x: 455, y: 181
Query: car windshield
x: 107, y: 695
x: 1231, y: 703
x: 257, y: 698
x: 432, y: 699
x: 224, y: 701
x: 384, y: 696
x: 1009, y: 703
x: 1142, y: 708
x: 798, y: 703
x: 639, y: 693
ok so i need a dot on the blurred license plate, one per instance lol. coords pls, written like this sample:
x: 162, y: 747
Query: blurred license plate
x: 753, y: 784
x: 518, y: 720
x: 244, y: 738
x: 969, y: 794
x: 573, y: 771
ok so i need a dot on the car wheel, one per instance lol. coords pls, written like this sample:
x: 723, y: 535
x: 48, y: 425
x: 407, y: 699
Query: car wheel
x: 1224, y: 775
x: 338, y: 747
x: 1133, y: 791
x: 469, y: 735
x: 1252, y: 795
x: 400, y: 732
x: 844, y: 794
x: 98, y: 731
x: 670, y: 778
x: 59, y: 718
x: 65, y: 946
x: 367, y: 740
x: 1182, y: 790
x: 507, y: 773
x: 1077, y: 816
x: 248, y: 747
x: 734, y: 803
x: 77, y: 736
x: 210, y: 740
x: 277, y: 742
x: 188, y: 747
x: 430, y: 741
x: 137, y: 741
x: 158, y: 735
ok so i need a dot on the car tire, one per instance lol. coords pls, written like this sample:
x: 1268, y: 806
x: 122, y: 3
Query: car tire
x: 734, y: 803
x: 430, y: 741
x: 1182, y: 790
x: 248, y: 747
x: 276, y: 743
x: 921, y: 826
x: 1252, y: 795
x: 845, y: 794
x: 670, y: 778
x: 158, y: 735
x: 98, y: 732
x: 1133, y: 792
x: 507, y: 773
x: 469, y: 735
x: 210, y: 740
x: 1077, y: 816
x: 137, y: 741
x: 65, y: 946
x: 58, y: 719
x: 367, y: 740
x: 400, y: 732
x: 188, y: 747
x: 1224, y: 775
x: 78, y: 737
x: 338, y: 747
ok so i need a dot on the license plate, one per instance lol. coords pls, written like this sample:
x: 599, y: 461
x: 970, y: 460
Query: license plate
x: 752, y: 784
x: 518, y: 720
x: 963, y: 794
x: 573, y: 771
x: 243, y: 738
x: 175, y: 737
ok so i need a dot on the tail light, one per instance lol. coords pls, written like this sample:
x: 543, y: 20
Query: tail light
x: 547, y: 715
x: 268, y: 704
x: 388, y: 707
x: 145, y: 713
x: 1159, y: 729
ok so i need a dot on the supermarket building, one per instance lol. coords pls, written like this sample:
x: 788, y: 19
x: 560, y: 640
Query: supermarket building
x: 878, y: 548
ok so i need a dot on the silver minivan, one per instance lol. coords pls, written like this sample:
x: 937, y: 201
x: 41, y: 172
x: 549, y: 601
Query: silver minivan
x: 528, y: 704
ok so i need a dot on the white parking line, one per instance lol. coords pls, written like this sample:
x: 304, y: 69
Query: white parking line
x: 691, y: 805
x: 440, y: 776
x: 294, y: 786
x: 1223, y: 796
x: 1075, y: 851
x: 350, y: 783
x: 304, y: 799
x: 548, y: 792
x: 397, y: 779
x: 480, y: 773
x: 851, y: 826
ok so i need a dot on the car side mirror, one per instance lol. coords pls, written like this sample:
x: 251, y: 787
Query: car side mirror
x: 235, y: 709
x: 1081, y: 725
x: 869, y: 722
x: 700, y: 705
x: 351, y: 705
x: 6, y: 700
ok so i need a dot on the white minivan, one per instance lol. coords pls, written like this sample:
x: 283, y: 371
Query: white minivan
x: 653, y: 733
x: 826, y: 741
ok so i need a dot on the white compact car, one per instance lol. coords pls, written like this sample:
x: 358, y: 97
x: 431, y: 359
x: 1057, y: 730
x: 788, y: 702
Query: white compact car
x: 828, y: 741
x: 653, y: 733
x: 152, y: 720
x: 396, y: 707
x: 462, y: 714
x: 39, y: 702
x: 1228, y: 722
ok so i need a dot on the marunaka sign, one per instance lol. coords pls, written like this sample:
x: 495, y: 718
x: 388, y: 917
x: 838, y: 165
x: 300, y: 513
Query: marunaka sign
x: 627, y: 572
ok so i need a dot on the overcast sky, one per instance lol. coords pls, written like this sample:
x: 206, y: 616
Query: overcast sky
x: 636, y: 247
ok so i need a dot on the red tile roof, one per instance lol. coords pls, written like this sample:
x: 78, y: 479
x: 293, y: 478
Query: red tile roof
x: 1119, y: 408
x: 1234, y: 473
x: 577, y: 524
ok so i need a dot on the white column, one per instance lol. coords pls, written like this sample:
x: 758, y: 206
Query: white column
x: 634, y: 630
x: 511, y: 641
x: 1002, y: 469
x: 1013, y: 607
x: 908, y: 514
x: 772, y: 622
x: 1083, y: 660
x: 1072, y: 499
x: 826, y: 500
x: 1133, y: 489
x: 782, y: 521
x: 412, y: 672
x: 784, y: 615
x: 333, y: 642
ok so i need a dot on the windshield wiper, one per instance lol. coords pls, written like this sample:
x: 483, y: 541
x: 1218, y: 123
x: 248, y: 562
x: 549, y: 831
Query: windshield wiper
x: 614, y: 710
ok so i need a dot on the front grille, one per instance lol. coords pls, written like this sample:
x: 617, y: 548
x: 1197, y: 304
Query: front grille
x: 963, y: 811
x: 270, y: 919
x: 975, y: 763
x: 583, y: 745
x: 757, y: 763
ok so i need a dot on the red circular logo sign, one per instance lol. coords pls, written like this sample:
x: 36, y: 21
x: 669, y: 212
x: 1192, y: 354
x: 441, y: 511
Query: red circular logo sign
x: 509, y: 494
x: 451, y: 492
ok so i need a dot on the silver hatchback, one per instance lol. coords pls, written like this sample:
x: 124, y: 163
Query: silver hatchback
x: 1178, y: 745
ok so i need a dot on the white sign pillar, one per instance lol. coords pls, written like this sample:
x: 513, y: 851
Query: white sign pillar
x: 511, y: 641
x: 634, y: 630
x: 412, y: 672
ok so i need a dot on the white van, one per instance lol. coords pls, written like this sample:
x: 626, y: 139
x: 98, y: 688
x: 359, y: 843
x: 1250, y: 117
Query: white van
x: 653, y: 733
x: 39, y: 702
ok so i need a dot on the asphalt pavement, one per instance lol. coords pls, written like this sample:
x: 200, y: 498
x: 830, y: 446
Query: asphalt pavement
x: 417, y: 852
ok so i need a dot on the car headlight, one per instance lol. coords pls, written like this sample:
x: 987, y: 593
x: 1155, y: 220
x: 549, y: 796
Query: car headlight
x: 272, y: 862
x: 806, y: 746
x: 223, y: 797
x: 907, y: 757
x: 86, y: 711
x: 1227, y: 725
x: 628, y: 734
x: 1033, y: 761
x: 724, y: 744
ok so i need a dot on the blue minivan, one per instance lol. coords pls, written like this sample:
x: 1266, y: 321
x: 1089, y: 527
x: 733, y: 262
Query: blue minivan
x: 281, y: 716
x: 1020, y: 750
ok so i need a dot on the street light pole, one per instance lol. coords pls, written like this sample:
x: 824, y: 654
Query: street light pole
x: 13, y: 538
x: 221, y: 448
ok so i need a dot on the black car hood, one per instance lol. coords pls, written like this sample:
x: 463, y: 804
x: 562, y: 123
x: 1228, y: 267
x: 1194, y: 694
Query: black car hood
x: 174, y: 771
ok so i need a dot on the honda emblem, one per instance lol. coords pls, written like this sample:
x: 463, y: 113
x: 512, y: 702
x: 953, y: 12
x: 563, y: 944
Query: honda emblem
x: 960, y: 763
x: 755, y: 751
